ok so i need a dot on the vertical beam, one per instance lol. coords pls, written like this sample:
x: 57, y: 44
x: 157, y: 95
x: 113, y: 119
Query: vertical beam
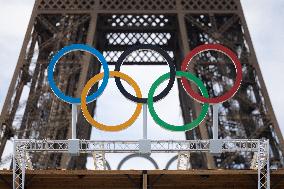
x: 258, y: 167
x: 87, y: 59
x: 23, y: 169
x: 14, y: 165
x: 215, y: 121
x: 263, y: 164
x: 195, y: 107
x: 74, y: 120
x: 267, y: 165
x: 145, y: 121
x: 253, y: 60
x: 145, y: 181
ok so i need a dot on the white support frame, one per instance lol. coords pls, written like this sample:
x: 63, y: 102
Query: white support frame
x: 99, y: 161
x: 22, y: 146
x: 183, y: 161
x: 263, y: 165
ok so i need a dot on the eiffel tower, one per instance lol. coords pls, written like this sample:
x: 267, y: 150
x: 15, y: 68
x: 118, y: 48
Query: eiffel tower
x: 112, y: 26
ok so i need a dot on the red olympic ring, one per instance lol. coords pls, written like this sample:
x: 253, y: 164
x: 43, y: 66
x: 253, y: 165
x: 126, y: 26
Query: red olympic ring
x: 227, y: 52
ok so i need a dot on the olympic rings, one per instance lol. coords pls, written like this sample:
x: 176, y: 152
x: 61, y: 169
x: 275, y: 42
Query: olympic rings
x: 205, y: 100
x: 224, y: 50
x: 66, y: 50
x: 168, y: 126
x: 101, y: 126
x: 163, y: 53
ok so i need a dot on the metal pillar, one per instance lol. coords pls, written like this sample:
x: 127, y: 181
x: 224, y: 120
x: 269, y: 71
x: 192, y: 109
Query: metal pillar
x: 263, y: 165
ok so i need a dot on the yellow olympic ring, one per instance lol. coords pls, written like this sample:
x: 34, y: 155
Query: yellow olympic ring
x: 101, y: 126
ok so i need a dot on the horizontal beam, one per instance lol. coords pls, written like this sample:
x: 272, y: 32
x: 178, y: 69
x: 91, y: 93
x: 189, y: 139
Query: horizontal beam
x: 161, y: 146
x: 84, y: 11
x: 279, y: 172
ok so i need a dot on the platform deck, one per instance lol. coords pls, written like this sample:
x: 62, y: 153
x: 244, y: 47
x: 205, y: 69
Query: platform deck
x: 153, y: 179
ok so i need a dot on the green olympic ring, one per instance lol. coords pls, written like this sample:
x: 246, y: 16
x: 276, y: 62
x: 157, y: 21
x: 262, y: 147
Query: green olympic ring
x: 168, y: 126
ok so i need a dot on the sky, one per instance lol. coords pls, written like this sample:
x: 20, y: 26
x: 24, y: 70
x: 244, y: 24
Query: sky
x: 266, y: 25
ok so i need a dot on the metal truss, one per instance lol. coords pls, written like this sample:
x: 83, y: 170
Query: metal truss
x: 161, y: 146
x: 263, y: 165
x: 23, y: 146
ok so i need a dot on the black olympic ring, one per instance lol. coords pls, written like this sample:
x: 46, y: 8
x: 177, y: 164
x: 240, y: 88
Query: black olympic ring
x: 171, y: 161
x: 108, y: 165
x: 164, y: 54
x: 145, y: 156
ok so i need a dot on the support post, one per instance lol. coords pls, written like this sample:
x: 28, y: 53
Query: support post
x: 14, y: 164
x: 145, y: 122
x: 215, y: 143
x: 19, y: 166
x: 144, y: 143
x: 215, y: 121
x: 258, y: 167
x: 74, y: 120
x: 145, y: 181
x: 263, y: 164
x: 267, y: 165
x: 23, y: 169
x: 74, y: 143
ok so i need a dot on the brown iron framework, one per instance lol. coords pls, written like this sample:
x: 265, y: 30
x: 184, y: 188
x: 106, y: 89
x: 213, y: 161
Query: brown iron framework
x: 32, y: 111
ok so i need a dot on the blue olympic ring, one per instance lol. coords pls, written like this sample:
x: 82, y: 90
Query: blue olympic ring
x: 62, y: 52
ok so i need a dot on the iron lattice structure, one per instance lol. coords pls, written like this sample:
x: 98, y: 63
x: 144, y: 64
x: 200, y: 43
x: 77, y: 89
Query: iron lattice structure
x: 31, y: 111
